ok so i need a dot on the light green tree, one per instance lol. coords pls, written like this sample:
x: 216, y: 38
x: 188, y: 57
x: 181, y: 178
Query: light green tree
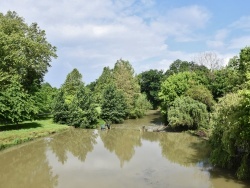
x: 201, y: 94
x: 186, y: 112
x: 126, y: 82
x: 175, y: 86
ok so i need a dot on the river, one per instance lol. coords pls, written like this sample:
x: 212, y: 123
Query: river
x: 124, y: 156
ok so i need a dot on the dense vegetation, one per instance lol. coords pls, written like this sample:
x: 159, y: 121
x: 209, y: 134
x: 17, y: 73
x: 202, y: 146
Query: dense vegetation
x: 191, y: 95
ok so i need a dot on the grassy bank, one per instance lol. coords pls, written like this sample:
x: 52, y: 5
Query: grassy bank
x: 15, y: 134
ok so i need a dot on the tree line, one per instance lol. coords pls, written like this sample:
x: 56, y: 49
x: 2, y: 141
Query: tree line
x: 197, y: 95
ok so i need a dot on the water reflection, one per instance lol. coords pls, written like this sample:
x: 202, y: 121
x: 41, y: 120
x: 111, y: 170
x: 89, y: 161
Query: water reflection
x: 124, y: 156
x: 78, y: 142
x: 122, y: 143
x: 183, y: 148
x: 27, y: 167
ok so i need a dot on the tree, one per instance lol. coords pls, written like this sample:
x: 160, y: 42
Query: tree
x: 16, y: 105
x: 141, y: 106
x: 175, y: 86
x: 82, y: 111
x: 72, y: 83
x: 44, y: 98
x: 231, y: 135
x: 24, y: 51
x: 102, y: 82
x: 178, y: 66
x: 201, y: 94
x: 150, y: 83
x: 186, y: 112
x: 60, y: 108
x: 25, y: 55
x: 210, y: 60
x: 74, y: 104
x: 126, y: 82
x: 114, y: 106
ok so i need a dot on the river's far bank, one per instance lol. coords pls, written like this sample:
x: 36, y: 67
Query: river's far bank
x: 11, y: 135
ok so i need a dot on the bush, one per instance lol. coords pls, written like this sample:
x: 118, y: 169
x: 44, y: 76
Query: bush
x: 231, y: 134
x: 201, y: 94
x: 186, y: 112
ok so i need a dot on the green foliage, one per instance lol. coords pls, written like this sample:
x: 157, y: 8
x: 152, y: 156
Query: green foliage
x: 24, y: 50
x: 187, y: 112
x: 83, y: 112
x: 60, y: 109
x: 150, y: 82
x: 72, y: 83
x: 74, y: 105
x: 16, y: 105
x: 114, y: 107
x: 244, y: 63
x: 178, y: 66
x: 184, y: 66
x: 102, y: 82
x: 44, y: 98
x: 175, y: 86
x: 141, y: 106
x: 25, y: 55
x: 224, y: 81
x: 231, y: 135
x: 126, y: 82
x: 201, y: 94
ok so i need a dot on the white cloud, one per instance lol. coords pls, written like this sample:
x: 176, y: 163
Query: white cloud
x: 240, y: 42
x: 242, y: 23
x: 92, y: 34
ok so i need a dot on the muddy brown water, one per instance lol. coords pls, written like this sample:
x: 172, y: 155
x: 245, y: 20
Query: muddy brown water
x: 124, y: 156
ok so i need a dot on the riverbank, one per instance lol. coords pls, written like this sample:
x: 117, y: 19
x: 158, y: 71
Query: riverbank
x: 11, y: 135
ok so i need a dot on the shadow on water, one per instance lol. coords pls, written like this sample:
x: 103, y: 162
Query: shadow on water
x: 157, y: 119
x: 218, y: 174
x: 27, y: 125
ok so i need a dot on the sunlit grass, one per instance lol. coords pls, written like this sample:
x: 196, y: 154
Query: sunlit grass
x: 15, y: 134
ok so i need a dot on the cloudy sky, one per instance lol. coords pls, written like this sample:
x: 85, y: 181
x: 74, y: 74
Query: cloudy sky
x: 150, y: 34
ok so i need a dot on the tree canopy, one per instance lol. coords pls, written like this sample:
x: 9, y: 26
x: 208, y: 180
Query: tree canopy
x: 24, y: 50
x: 25, y: 55
x: 150, y: 83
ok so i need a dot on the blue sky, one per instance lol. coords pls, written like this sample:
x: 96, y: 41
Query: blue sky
x: 150, y: 34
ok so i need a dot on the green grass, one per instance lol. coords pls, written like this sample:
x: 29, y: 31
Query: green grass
x: 16, y: 134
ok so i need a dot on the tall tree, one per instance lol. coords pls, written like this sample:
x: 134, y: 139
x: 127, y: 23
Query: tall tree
x: 16, y: 105
x: 102, y: 82
x: 44, y: 98
x: 25, y: 55
x: 150, y: 82
x: 175, y: 86
x: 178, y: 66
x: 210, y: 60
x: 24, y: 50
x: 126, y: 82
x: 60, y: 109
x: 114, y: 107
x: 72, y: 83
x: 74, y: 104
